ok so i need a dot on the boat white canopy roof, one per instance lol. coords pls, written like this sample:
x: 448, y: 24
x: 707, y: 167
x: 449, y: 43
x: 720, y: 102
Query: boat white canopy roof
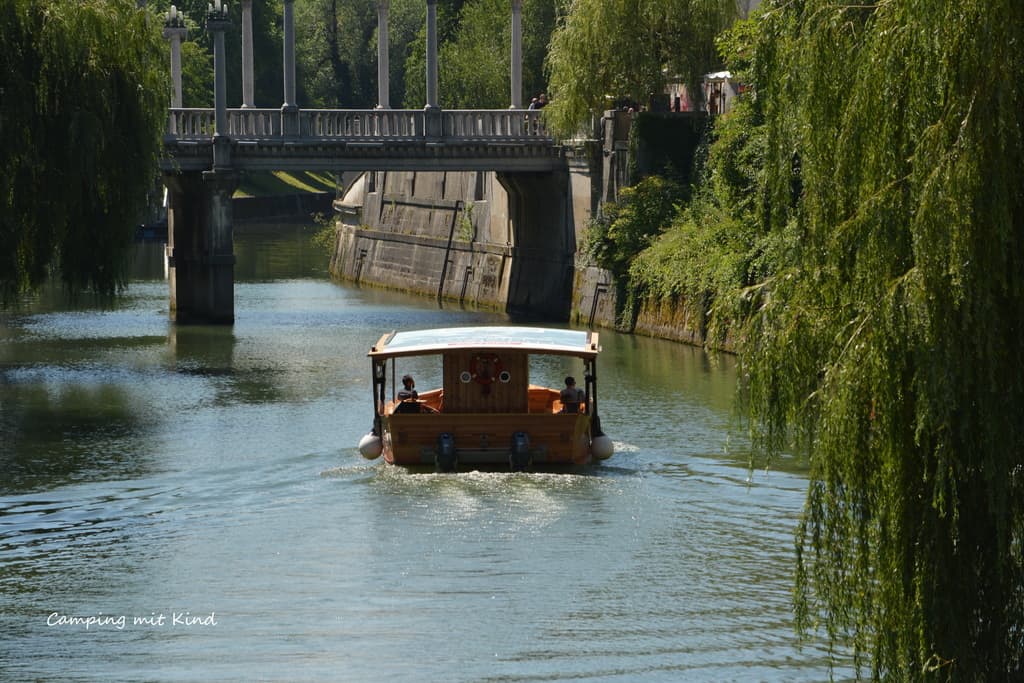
x: 579, y: 343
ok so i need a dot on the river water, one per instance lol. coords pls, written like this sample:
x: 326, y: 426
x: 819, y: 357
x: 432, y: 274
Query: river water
x: 187, y: 504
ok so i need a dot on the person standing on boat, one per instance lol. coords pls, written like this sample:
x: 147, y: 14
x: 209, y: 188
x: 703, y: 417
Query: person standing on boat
x: 408, y: 391
x: 570, y: 396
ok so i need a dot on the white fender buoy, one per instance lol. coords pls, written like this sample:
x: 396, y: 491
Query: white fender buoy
x: 601, y: 447
x: 370, y: 446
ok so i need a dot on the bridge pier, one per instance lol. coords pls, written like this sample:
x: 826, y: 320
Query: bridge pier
x: 540, y: 211
x: 200, y: 249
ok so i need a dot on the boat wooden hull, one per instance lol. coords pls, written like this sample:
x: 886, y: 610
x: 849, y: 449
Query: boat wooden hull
x: 487, y: 439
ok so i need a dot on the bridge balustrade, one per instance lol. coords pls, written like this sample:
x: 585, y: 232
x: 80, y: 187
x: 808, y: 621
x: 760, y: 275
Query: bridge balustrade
x: 191, y: 124
x: 364, y: 123
x: 254, y: 123
x: 490, y: 125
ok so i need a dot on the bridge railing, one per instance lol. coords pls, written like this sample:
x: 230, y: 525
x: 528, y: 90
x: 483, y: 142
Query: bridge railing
x: 493, y: 124
x: 362, y: 124
x: 191, y: 124
x: 254, y: 123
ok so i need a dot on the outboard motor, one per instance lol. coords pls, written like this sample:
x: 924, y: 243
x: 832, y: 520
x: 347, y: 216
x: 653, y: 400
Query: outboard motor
x: 447, y: 459
x: 519, y: 459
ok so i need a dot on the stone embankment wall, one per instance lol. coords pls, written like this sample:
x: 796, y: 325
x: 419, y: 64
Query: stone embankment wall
x: 504, y: 241
x: 664, y: 140
x: 595, y: 304
x: 443, y: 234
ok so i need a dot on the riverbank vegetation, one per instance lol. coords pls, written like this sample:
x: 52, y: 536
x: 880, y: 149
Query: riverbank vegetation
x: 886, y: 341
x: 83, y: 88
x: 858, y: 232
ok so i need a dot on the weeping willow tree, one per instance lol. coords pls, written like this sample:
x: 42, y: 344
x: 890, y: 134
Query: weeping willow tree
x: 888, y: 343
x: 84, y: 92
x: 607, y: 50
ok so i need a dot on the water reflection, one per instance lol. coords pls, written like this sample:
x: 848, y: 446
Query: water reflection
x: 56, y: 434
x: 266, y: 252
x: 208, y: 352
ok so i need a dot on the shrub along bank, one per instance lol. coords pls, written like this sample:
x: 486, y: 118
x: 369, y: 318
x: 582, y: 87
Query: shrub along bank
x: 694, y: 253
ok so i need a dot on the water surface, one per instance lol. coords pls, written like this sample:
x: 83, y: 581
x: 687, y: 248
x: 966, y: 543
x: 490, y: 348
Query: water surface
x: 196, y: 492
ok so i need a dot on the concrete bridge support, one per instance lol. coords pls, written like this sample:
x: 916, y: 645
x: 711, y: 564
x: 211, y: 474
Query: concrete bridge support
x: 504, y: 240
x: 540, y: 211
x: 200, y: 249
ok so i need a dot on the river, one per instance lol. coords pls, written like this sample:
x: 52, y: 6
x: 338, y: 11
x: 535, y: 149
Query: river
x: 187, y: 504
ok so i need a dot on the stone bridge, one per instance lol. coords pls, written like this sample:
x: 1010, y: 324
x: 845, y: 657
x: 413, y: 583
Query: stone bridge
x: 205, y: 150
x: 359, y: 140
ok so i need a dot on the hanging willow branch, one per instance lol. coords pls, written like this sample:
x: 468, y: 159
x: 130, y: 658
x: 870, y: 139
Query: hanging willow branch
x: 889, y: 347
x: 84, y: 91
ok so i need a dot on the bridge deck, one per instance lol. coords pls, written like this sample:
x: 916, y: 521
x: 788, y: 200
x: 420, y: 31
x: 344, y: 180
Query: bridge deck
x: 377, y: 139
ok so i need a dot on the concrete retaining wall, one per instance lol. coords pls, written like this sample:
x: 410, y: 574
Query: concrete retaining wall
x: 595, y: 302
x: 427, y: 233
x: 502, y: 241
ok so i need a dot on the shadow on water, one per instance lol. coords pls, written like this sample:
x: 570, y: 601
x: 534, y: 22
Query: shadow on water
x: 76, y: 432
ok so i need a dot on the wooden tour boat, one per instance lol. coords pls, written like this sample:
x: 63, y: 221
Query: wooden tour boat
x: 486, y: 413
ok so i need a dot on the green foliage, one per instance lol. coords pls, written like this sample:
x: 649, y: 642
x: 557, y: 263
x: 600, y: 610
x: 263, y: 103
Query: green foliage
x: 405, y: 20
x: 270, y: 183
x: 608, y: 50
x: 474, y: 61
x: 886, y: 344
x: 474, y: 66
x: 666, y: 144
x: 467, y: 229
x: 333, y: 39
x: 326, y: 236
x: 414, y: 70
x: 85, y: 92
x: 715, y: 249
x: 625, y: 228
x: 196, y: 75
x: 538, y: 25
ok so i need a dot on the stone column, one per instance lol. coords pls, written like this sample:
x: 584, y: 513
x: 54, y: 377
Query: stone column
x: 289, y: 54
x: 432, y: 54
x: 217, y: 23
x: 290, y: 109
x: 432, y: 124
x: 383, y: 74
x: 517, y: 54
x: 247, y: 65
x: 175, y: 32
